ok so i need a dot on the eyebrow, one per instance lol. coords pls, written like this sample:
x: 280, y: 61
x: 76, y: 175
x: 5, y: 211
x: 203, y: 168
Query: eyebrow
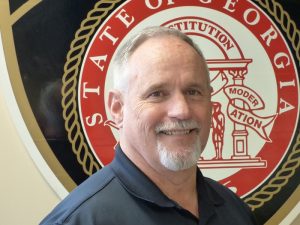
x: 202, y: 86
x: 163, y: 85
x: 155, y: 86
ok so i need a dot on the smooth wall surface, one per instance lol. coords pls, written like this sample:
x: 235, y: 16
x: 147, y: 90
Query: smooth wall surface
x: 25, y: 197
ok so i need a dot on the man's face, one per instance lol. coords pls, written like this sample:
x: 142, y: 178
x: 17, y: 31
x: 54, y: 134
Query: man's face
x: 167, y: 107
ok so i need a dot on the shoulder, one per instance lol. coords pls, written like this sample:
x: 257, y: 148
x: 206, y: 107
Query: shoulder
x: 82, y: 197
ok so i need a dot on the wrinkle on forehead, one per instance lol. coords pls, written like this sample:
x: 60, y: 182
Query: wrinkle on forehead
x: 173, y: 46
x: 161, y: 53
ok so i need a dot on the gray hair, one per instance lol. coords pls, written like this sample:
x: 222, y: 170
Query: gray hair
x: 119, y: 64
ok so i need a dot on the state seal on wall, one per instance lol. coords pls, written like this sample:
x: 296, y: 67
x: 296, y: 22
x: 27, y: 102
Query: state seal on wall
x: 252, y: 51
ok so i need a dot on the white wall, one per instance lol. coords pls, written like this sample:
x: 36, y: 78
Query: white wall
x: 25, y: 197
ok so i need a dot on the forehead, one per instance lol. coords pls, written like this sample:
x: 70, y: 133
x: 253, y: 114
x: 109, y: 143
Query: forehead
x: 163, y: 55
x: 165, y: 51
x: 164, y: 47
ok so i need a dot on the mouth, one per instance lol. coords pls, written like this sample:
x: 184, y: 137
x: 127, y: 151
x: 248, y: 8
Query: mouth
x: 178, y: 128
x: 178, y: 132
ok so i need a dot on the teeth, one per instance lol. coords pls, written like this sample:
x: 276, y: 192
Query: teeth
x: 177, y: 132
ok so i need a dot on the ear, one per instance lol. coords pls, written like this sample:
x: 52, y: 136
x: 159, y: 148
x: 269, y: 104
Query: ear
x: 115, y: 106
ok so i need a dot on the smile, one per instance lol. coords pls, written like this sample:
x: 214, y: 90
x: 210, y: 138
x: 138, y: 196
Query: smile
x: 177, y: 132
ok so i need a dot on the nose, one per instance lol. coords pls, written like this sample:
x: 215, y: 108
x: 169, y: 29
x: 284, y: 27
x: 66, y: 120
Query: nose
x: 178, y: 107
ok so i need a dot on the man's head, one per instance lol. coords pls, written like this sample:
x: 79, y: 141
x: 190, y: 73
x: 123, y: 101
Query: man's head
x: 161, y: 101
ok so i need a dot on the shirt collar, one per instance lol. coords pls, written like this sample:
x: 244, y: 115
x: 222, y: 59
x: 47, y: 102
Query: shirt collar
x: 139, y: 185
x: 208, y: 198
x: 136, y: 182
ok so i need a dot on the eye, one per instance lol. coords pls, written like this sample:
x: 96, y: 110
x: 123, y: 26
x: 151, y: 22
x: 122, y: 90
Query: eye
x: 193, y: 92
x: 156, y: 94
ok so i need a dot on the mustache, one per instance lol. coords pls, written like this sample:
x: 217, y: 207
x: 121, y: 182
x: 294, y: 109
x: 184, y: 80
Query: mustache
x: 177, y: 125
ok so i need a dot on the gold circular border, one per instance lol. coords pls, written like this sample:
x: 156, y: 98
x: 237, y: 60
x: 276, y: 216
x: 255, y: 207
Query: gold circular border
x: 71, y: 72
x: 72, y: 124
x: 288, y: 169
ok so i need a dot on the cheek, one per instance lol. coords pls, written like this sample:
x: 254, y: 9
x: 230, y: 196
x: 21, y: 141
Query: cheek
x: 203, y: 111
x: 138, y: 110
x: 142, y: 117
x: 147, y: 116
x: 206, y: 124
x: 203, y: 115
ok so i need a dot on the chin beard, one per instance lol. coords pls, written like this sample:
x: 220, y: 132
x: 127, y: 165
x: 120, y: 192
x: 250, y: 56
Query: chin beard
x: 179, y: 160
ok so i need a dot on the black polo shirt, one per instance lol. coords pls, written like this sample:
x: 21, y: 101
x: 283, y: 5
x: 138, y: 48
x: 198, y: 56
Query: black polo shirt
x: 120, y: 194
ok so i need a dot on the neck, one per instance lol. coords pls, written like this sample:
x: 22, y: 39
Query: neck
x: 180, y: 186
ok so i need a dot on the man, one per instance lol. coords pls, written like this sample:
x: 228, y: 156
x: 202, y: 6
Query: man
x: 161, y: 103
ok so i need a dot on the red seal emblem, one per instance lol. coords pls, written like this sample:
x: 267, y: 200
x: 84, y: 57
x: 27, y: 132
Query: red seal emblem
x: 253, y: 74
x: 252, y: 51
